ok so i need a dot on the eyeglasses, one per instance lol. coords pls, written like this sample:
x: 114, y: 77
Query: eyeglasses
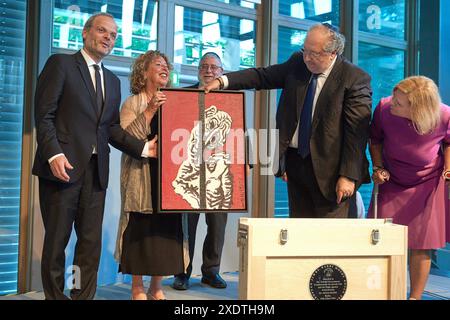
x: 313, y: 54
x: 213, y: 67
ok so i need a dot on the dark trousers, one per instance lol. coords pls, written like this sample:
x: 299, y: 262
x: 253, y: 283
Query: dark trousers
x: 80, y: 204
x: 305, y: 198
x: 213, y: 244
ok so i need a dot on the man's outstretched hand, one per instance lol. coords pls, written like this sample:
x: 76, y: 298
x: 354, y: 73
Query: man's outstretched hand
x: 214, y: 85
x: 153, y: 147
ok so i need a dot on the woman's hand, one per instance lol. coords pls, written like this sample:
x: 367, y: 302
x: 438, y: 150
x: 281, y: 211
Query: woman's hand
x: 380, y: 176
x: 153, y: 104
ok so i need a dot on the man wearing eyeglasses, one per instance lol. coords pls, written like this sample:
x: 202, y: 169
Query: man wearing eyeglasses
x: 210, y: 67
x: 323, y: 120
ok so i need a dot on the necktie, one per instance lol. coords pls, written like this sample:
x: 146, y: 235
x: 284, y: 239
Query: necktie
x: 304, y: 132
x: 98, y: 89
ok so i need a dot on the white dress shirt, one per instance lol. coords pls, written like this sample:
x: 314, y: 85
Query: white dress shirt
x: 90, y: 63
x: 320, y: 83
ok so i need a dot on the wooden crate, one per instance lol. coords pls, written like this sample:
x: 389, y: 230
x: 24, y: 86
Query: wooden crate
x: 322, y: 259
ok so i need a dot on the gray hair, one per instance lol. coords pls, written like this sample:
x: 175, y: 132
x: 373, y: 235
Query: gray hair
x: 336, y: 42
x: 210, y: 55
x: 90, y: 21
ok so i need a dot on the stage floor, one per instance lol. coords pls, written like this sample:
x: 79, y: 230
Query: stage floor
x: 438, y: 288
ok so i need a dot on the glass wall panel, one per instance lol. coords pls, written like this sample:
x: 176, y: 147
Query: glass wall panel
x: 12, y: 61
x: 317, y: 10
x: 386, y: 67
x: 198, y: 31
x: 383, y: 17
x: 290, y: 40
x: 136, y: 20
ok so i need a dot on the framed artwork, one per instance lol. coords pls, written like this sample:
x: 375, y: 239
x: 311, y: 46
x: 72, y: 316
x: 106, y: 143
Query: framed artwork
x: 202, y: 152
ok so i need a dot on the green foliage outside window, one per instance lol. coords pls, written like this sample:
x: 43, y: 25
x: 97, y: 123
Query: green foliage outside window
x: 140, y: 41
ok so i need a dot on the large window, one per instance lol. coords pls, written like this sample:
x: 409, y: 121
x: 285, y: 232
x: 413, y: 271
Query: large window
x: 381, y: 52
x: 383, y: 17
x: 136, y: 24
x: 316, y: 10
x: 198, y: 31
x: 385, y: 65
x: 290, y: 41
x: 12, y: 60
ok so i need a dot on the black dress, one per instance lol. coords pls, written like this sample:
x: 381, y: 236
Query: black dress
x: 152, y: 244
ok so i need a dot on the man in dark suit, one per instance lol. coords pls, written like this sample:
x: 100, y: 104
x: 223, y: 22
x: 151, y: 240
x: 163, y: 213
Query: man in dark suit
x: 210, y: 67
x: 323, y: 121
x: 77, y: 104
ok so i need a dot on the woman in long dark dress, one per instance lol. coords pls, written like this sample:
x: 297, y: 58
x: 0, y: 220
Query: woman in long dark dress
x: 148, y: 243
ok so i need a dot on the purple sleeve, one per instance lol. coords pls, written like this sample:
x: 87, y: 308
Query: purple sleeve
x: 376, y: 128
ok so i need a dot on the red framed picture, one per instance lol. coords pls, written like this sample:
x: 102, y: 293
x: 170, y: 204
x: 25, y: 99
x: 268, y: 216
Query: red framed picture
x: 202, y: 152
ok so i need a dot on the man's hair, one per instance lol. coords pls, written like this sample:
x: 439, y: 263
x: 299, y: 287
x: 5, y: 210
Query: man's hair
x: 336, y: 40
x: 90, y: 21
x: 212, y: 55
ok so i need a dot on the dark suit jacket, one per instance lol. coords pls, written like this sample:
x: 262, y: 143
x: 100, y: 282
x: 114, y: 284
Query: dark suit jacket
x: 67, y: 120
x: 341, y: 119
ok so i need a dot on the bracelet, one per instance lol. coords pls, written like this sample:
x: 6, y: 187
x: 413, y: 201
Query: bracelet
x: 446, y: 174
x: 376, y: 168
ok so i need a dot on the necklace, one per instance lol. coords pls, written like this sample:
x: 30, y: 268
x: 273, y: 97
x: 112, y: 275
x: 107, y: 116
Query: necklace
x: 149, y: 96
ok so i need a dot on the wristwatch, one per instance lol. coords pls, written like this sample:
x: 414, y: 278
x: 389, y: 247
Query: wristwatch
x: 375, y: 168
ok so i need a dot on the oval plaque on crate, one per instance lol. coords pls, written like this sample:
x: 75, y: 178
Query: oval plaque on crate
x: 328, y: 282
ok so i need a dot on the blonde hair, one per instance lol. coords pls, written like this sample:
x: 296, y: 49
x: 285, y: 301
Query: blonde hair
x: 138, y: 78
x: 424, y: 99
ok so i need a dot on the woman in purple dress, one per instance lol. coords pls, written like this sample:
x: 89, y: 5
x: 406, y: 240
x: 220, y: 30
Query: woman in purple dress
x: 409, y: 139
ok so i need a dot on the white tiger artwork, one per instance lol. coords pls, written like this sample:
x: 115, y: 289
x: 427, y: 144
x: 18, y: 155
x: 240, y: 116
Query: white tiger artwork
x: 218, y: 183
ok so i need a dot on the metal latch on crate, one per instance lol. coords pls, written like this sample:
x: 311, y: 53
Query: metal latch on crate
x: 283, y: 236
x: 375, y: 237
x: 242, y: 242
x: 242, y: 237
